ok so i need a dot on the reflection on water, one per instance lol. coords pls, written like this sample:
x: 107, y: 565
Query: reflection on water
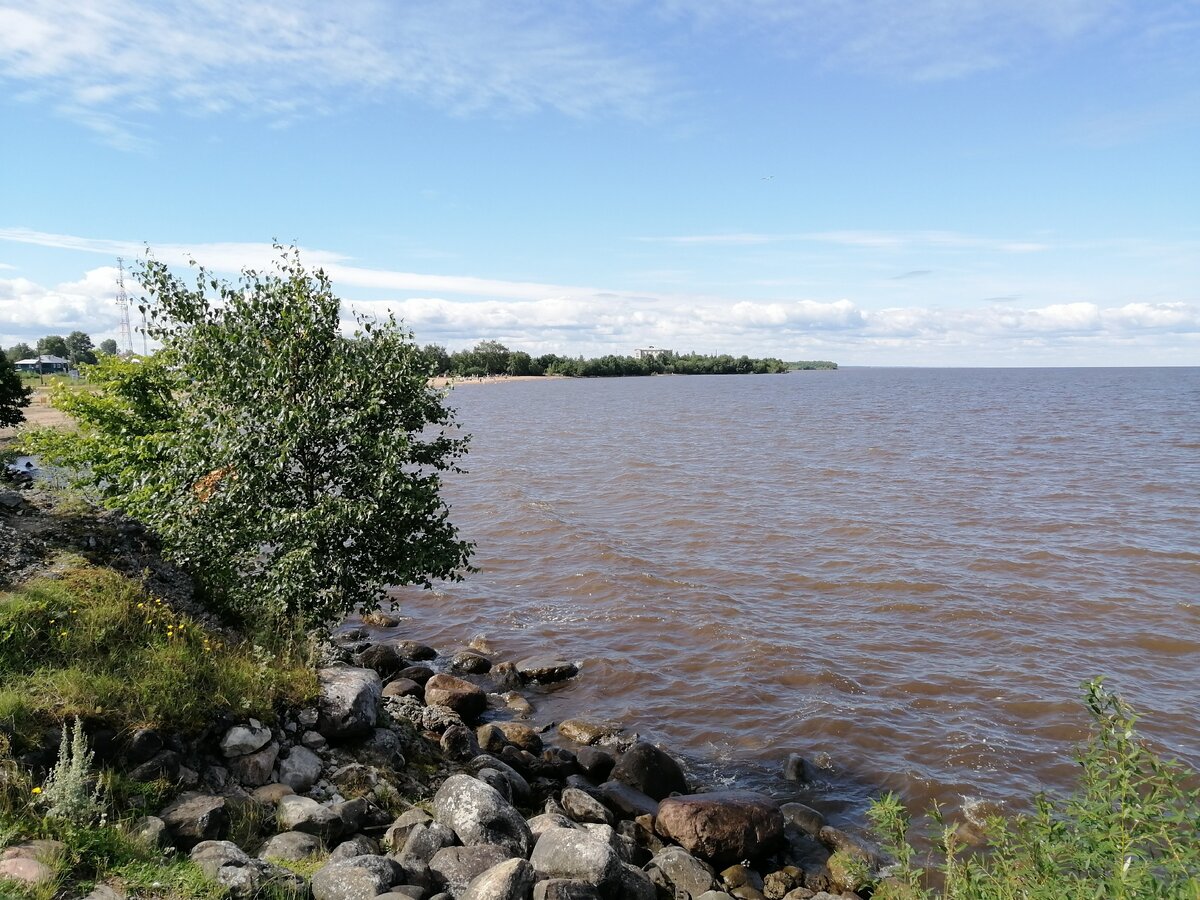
x: 912, y: 570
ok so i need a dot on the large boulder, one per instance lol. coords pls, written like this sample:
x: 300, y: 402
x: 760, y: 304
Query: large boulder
x: 349, y: 702
x: 578, y: 855
x: 650, y: 770
x: 723, y: 827
x: 292, y: 845
x: 295, y: 813
x: 509, y: 880
x: 242, y: 739
x: 193, y: 818
x: 244, y: 878
x: 466, y: 699
x: 478, y: 814
x: 675, y: 870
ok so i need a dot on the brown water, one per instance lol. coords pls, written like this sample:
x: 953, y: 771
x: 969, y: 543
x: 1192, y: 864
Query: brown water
x: 911, y: 570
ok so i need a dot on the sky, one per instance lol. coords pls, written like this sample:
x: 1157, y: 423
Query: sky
x: 876, y: 182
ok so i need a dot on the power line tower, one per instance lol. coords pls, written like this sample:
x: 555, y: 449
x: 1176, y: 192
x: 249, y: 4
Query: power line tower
x: 125, y: 343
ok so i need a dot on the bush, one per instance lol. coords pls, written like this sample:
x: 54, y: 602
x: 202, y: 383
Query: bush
x: 1130, y: 829
x: 295, y: 472
x: 14, y: 395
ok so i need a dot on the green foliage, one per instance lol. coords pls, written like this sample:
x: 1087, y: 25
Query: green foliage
x: 804, y: 365
x: 14, y: 395
x: 492, y: 358
x: 80, y: 348
x: 295, y: 472
x: 108, y: 347
x: 1131, y: 829
x: 72, y: 792
x: 89, y: 642
x: 53, y: 345
x: 18, y: 352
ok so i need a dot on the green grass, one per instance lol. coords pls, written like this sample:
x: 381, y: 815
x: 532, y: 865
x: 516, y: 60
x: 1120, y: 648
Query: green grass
x: 1130, y: 829
x: 89, y: 642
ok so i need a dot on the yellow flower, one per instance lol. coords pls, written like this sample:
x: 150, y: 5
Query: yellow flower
x: 37, y: 790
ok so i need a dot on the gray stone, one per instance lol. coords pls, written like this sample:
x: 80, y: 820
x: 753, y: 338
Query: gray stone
x: 424, y: 841
x: 803, y: 817
x: 270, y: 793
x: 415, y: 651
x: 454, y: 868
x: 478, y: 814
x: 382, y: 748
x: 675, y: 869
x: 439, y: 718
x: 193, y: 818
x: 357, y: 878
x: 509, y: 880
x: 546, y: 669
x: 519, y: 787
x: 715, y: 895
x: 300, y: 769
x: 244, y: 878
x: 404, y: 687
x: 400, y: 829
x: 597, y: 764
x: 349, y: 702
x: 498, y: 780
x: 633, y: 884
x: 576, y: 854
x: 469, y: 662
x: 650, y: 770
x: 458, y: 743
x: 382, y: 658
x: 254, y: 769
x: 564, y: 889
x: 521, y: 736
x: 583, y: 807
x: 353, y: 814
x: 296, y: 813
x: 313, y: 740
x: 628, y: 801
x: 243, y: 739
x: 582, y: 732
x: 518, y: 704
x: 152, y: 831
x: 359, y: 845
x: 292, y: 845
x: 547, y: 820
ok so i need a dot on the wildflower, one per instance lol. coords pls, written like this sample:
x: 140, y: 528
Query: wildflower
x: 141, y: 606
x: 36, y: 790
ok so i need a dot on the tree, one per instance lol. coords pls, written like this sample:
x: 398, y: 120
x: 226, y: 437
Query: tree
x: 108, y: 347
x: 80, y: 347
x: 53, y: 345
x: 491, y: 356
x: 20, y: 351
x: 14, y: 396
x: 294, y: 471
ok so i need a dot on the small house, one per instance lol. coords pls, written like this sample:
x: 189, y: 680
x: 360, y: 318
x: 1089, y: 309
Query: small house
x: 43, y: 365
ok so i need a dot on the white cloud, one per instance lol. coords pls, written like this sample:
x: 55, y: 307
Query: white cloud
x: 103, y: 62
x: 870, y: 240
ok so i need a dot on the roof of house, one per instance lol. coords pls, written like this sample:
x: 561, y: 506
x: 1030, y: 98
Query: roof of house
x: 35, y: 360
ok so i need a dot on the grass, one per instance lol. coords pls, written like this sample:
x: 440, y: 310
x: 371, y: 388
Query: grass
x: 94, y: 644
x: 1131, y: 829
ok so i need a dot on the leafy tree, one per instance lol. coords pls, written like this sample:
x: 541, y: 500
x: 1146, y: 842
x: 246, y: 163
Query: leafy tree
x: 80, y: 347
x: 108, y: 347
x: 294, y: 471
x: 491, y: 356
x: 20, y: 351
x: 53, y: 345
x: 14, y: 396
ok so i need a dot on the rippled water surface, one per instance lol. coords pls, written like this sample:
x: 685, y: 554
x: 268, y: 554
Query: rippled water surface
x: 912, y: 570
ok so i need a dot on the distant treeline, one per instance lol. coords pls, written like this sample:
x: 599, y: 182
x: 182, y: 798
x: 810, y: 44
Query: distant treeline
x: 493, y: 358
x: 801, y: 365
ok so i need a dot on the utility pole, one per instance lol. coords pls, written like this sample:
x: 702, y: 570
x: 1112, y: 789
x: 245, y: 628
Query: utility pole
x: 125, y: 343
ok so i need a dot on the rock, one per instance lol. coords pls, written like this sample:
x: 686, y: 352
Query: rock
x: 383, y: 659
x: 271, y: 793
x: 797, y: 768
x: 193, y: 818
x: 359, y: 845
x: 478, y: 814
x: 27, y: 871
x: 466, y: 699
x: 587, y: 733
x: 352, y: 813
x: 419, y: 674
x: 649, y: 770
x: 292, y: 845
x: 424, y: 841
x: 836, y: 839
x: 741, y: 875
x: 313, y: 740
x: 404, y: 687
x: 459, y: 744
x: 583, y: 807
x: 10, y: 499
x: 521, y: 736
x: 357, y: 878
x: 518, y: 704
x: 803, y: 817
x: 634, y: 884
x: 518, y: 786
x: 547, y: 820
x: 377, y: 618
x: 576, y: 854
x: 355, y: 779
x: 724, y: 826
x: 715, y: 895
x: 847, y: 872
x: 254, y: 769
x: 243, y: 739
x: 564, y: 889
x: 469, y: 662
x: 296, y: 813
x: 490, y: 738
x: 675, y: 870
x: 105, y: 892
x: 509, y: 880
x: 628, y: 801
x: 780, y: 883
x: 151, y: 831
x: 456, y: 867
x: 415, y: 651
x: 382, y: 748
x: 438, y: 718
x: 398, y: 832
x: 349, y: 702
x: 596, y: 764
x: 165, y: 764
x: 546, y: 669
x: 300, y: 769
x: 244, y: 878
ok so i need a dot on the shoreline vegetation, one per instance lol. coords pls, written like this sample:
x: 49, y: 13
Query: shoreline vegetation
x: 184, y: 713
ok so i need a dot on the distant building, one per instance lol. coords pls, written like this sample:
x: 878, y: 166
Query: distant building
x: 649, y: 352
x: 42, y: 365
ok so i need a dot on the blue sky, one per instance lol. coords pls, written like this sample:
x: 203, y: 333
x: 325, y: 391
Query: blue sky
x: 1013, y: 182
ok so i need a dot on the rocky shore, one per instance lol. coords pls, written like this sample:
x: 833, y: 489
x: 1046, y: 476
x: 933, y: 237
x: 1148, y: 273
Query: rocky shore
x: 423, y: 775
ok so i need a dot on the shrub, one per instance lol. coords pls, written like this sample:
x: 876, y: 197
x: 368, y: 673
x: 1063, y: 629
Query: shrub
x: 1130, y: 829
